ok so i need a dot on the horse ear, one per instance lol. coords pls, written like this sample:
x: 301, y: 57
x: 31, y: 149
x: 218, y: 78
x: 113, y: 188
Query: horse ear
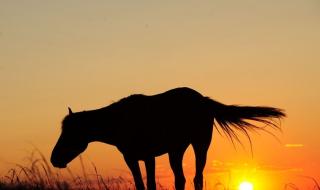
x: 70, y: 111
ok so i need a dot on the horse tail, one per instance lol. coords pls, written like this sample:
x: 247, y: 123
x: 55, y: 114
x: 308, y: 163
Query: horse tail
x: 233, y: 118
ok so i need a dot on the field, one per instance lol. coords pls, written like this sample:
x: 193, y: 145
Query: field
x: 38, y: 174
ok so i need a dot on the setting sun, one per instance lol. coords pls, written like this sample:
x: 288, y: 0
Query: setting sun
x: 246, y: 186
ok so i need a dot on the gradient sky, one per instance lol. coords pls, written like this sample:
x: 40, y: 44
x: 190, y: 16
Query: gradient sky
x: 87, y: 54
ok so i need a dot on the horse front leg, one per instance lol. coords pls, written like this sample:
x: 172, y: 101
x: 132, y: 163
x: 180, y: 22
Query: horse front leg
x: 175, y: 159
x: 150, y: 168
x: 135, y: 170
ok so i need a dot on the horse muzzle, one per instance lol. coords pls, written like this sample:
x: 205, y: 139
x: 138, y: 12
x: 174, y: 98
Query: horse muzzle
x: 59, y: 165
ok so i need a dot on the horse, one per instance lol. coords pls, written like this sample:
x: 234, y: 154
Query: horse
x: 143, y: 127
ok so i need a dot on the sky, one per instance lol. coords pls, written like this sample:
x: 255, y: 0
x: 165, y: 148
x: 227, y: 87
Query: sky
x: 88, y: 54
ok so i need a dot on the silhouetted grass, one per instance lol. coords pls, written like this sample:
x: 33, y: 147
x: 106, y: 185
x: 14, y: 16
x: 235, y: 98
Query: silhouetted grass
x: 292, y: 186
x: 38, y: 174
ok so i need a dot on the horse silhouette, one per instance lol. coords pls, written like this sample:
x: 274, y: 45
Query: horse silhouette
x: 143, y: 127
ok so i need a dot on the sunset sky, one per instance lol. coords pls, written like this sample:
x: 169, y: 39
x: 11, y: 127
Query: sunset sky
x: 88, y: 54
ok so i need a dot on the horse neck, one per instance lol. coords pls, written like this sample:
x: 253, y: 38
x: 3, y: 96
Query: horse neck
x: 98, y: 126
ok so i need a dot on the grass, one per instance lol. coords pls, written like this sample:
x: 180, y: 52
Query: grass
x: 292, y: 186
x: 38, y: 174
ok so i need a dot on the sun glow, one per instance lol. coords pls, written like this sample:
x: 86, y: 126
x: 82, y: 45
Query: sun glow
x: 246, y: 186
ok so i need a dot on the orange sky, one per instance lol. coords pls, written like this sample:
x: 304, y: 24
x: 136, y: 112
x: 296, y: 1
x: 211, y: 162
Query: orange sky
x: 87, y: 55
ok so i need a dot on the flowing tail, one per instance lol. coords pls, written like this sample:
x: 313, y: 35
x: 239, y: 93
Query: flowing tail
x: 233, y: 118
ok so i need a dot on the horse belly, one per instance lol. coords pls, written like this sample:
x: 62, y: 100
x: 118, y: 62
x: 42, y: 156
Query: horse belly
x: 155, y: 140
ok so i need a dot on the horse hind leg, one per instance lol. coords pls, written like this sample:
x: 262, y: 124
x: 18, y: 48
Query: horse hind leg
x: 175, y: 159
x: 150, y: 168
x: 200, y: 150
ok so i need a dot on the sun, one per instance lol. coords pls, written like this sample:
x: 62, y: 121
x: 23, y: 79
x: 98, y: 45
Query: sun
x: 245, y: 186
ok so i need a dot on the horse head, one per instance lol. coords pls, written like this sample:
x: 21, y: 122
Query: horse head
x: 72, y: 141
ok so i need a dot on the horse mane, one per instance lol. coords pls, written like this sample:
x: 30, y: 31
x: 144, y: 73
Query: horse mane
x: 132, y: 99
